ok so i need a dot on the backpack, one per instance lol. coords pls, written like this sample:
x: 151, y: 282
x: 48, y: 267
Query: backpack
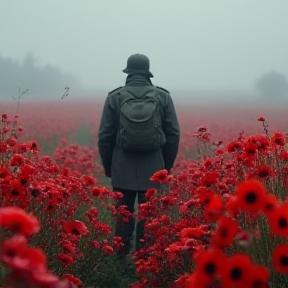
x: 140, y: 123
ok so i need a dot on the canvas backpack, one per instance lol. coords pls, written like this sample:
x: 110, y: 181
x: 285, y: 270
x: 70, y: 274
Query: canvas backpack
x: 140, y: 122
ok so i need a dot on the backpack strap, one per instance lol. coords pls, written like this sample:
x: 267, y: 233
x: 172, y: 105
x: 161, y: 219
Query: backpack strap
x: 152, y: 89
x: 133, y: 96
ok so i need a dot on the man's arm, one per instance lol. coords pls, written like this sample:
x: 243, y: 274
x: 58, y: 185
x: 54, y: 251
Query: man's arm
x: 172, y: 132
x: 107, y: 135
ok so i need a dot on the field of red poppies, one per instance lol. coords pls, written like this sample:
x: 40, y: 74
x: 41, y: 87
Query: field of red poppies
x: 220, y: 219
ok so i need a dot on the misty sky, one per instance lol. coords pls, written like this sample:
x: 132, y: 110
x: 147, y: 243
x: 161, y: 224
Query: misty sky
x: 203, y: 44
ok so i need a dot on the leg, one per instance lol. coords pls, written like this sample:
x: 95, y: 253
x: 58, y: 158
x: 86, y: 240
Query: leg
x: 140, y: 224
x: 125, y: 229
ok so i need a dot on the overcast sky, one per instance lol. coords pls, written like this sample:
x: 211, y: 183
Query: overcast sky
x: 203, y: 44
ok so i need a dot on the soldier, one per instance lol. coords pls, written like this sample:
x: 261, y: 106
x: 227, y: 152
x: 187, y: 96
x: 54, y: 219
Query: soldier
x: 138, y: 135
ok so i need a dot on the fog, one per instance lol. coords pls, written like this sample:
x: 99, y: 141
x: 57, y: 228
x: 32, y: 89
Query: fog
x: 198, y: 49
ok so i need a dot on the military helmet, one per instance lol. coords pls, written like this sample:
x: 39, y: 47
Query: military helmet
x: 138, y: 63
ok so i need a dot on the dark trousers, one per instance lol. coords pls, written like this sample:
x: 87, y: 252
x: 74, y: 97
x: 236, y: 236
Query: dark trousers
x: 126, y: 229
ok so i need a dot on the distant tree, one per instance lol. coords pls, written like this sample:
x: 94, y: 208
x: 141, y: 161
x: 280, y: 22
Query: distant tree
x: 44, y: 81
x: 273, y: 85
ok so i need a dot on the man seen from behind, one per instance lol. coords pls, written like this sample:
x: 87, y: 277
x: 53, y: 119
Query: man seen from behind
x: 138, y: 136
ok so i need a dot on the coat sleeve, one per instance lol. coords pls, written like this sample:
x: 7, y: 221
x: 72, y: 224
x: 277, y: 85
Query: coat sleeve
x: 172, y: 132
x: 107, y: 134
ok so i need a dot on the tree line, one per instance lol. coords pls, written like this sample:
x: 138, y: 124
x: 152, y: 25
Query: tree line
x: 40, y: 81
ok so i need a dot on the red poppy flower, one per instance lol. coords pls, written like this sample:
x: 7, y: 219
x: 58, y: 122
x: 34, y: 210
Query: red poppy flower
x: 214, y: 208
x: 88, y: 180
x: 284, y: 155
x: 73, y: 280
x: 202, y: 192
x: 264, y: 171
x: 76, y: 228
x: 206, y: 196
x: 262, y: 142
x: 161, y: 176
x: 225, y: 232
x: 68, y: 247
x: 150, y: 192
x: 219, y: 152
x: 209, y: 179
x: 249, y: 195
x: 96, y: 244
x: 278, y: 220
x: 36, y: 259
x: 15, y: 191
x: 168, y: 200
x: 12, y: 141
x: 248, y: 161
x: 32, y: 145
x: 190, y: 282
x: 261, y: 118
x: 258, y: 277
x: 278, y: 139
x: 250, y: 148
x: 4, y: 172
x: 232, y: 206
x: 234, y: 146
x: 182, y: 176
x: 202, y: 129
x: 192, y: 233
x: 280, y: 259
x: 98, y: 191
x: 91, y: 214
x: 17, y: 160
x: 27, y: 170
x: 102, y: 227
x: 11, y: 252
x: 18, y: 221
x: 235, y: 272
x: 107, y: 249
x: 208, y: 162
x: 66, y: 259
x: 270, y: 203
x: 117, y: 242
x: 17, y: 255
x: 208, y: 264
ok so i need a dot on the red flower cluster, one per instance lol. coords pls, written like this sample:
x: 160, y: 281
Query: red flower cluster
x: 28, y: 265
x: 53, y: 189
x: 161, y: 177
x: 227, y: 198
x: 213, y: 206
x: 18, y: 221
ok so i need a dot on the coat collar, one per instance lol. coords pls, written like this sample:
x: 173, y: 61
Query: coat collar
x: 138, y: 79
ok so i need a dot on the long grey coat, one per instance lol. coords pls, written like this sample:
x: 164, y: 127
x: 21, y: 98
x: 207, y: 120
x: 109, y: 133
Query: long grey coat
x: 129, y: 170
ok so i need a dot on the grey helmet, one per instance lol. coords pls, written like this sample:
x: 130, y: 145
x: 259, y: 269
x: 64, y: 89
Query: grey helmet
x: 138, y: 63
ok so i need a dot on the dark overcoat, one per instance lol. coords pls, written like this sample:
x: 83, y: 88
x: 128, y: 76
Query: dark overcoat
x: 130, y: 170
